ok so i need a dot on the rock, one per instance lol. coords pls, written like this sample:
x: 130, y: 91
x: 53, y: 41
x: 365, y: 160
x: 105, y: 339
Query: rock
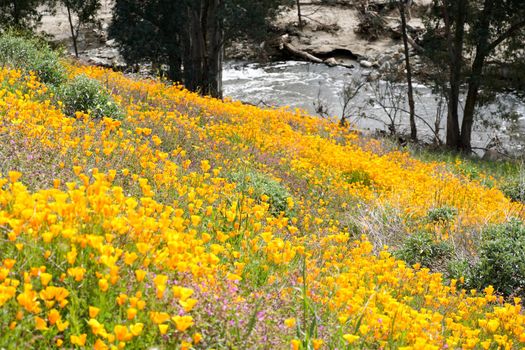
x: 398, y: 56
x: 373, y: 76
x: 104, y: 56
x: 305, y: 40
x: 382, y: 59
x: 493, y: 155
x: 366, y: 64
x: 401, y: 68
x: 331, y: 62
x: 386, y: 67
x: 328, y: 51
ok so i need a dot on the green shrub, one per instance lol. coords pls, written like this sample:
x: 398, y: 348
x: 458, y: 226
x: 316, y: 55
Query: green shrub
x: 459, y: 268
x: 423, y: 249
x: 262, y: 184
x: 470, y: 171
x: 502, y: 259
x: 442, y: 214
x: 357, y: 176
x: 515, y: 190
x: 31, y: 54
x: 83, y: 94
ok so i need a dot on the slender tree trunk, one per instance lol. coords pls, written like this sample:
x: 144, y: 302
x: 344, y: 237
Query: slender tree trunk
x: 72, y: 28
x: 411, y: 104
x: 299, y: 15
x: 455, y: 43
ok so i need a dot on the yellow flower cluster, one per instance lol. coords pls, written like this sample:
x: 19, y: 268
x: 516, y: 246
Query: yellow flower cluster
x: 117, y: 233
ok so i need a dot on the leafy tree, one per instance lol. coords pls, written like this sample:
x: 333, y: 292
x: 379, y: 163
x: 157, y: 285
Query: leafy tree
x: 151, y: 31
x: 188, y: 36
x: 21, y: 14
x: 85, y: 12
x: 464, y: 35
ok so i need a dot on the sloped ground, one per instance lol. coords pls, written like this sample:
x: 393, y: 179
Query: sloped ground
x: 197, y: 223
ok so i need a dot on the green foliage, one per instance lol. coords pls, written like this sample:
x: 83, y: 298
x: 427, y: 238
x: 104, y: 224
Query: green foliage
x: 423, y: 249
x: 259, y: 184
x: 249, y: 19
x: 21, y: 14
x: 515, y: 190
x: 502, y: 259
x: 469, y: 171
x: 85, y: 12
x: 142, y: 40
x: 164, y: 32
x: 442, y: 214
x: 31, y: 54
x: 472, y: 166
x: 460, y: 268
x: 87, y: 95
x: 501, y: 263
x: 357, y: 176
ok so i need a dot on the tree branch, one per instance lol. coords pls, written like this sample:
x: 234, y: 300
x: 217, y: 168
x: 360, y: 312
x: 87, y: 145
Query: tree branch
x: 506, y: 35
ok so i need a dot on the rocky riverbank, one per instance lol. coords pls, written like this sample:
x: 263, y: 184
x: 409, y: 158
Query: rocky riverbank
x: 328, y: 33
x: 333, y: 31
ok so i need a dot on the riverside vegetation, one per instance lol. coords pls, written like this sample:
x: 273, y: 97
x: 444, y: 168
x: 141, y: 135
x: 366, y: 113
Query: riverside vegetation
x: 147, y: 216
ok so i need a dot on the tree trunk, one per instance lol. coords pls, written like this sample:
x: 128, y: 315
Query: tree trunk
x: 72, y: 28
x: 16, y: 14
x: 455, y: 43
x: 303, y: 54
x: 476, y: 75
x: 202, y: 41
x: 470, y: 103
x: 299, y: 15
x: 175, y: 71
x: 196, y: 60
x: 203, y: 44
x: 187, y: 61
x: 413, y: 127
x: 215, y: 48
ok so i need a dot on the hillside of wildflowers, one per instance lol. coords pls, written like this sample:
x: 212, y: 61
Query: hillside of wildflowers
x: 195, y: 223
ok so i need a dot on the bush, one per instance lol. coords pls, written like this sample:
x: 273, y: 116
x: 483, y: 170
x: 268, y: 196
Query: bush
x: 423, y: 249
x: 261, y: 185
x: 31, y: 54
x: 357, y: 176
x: 461, y: 268
x: 83, y: 94
x: 371, y: 25
x: 443, y: 214
x: 502, y: 259
x: 515, y: 190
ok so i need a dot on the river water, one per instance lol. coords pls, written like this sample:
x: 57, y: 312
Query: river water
x: 376, y: 105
